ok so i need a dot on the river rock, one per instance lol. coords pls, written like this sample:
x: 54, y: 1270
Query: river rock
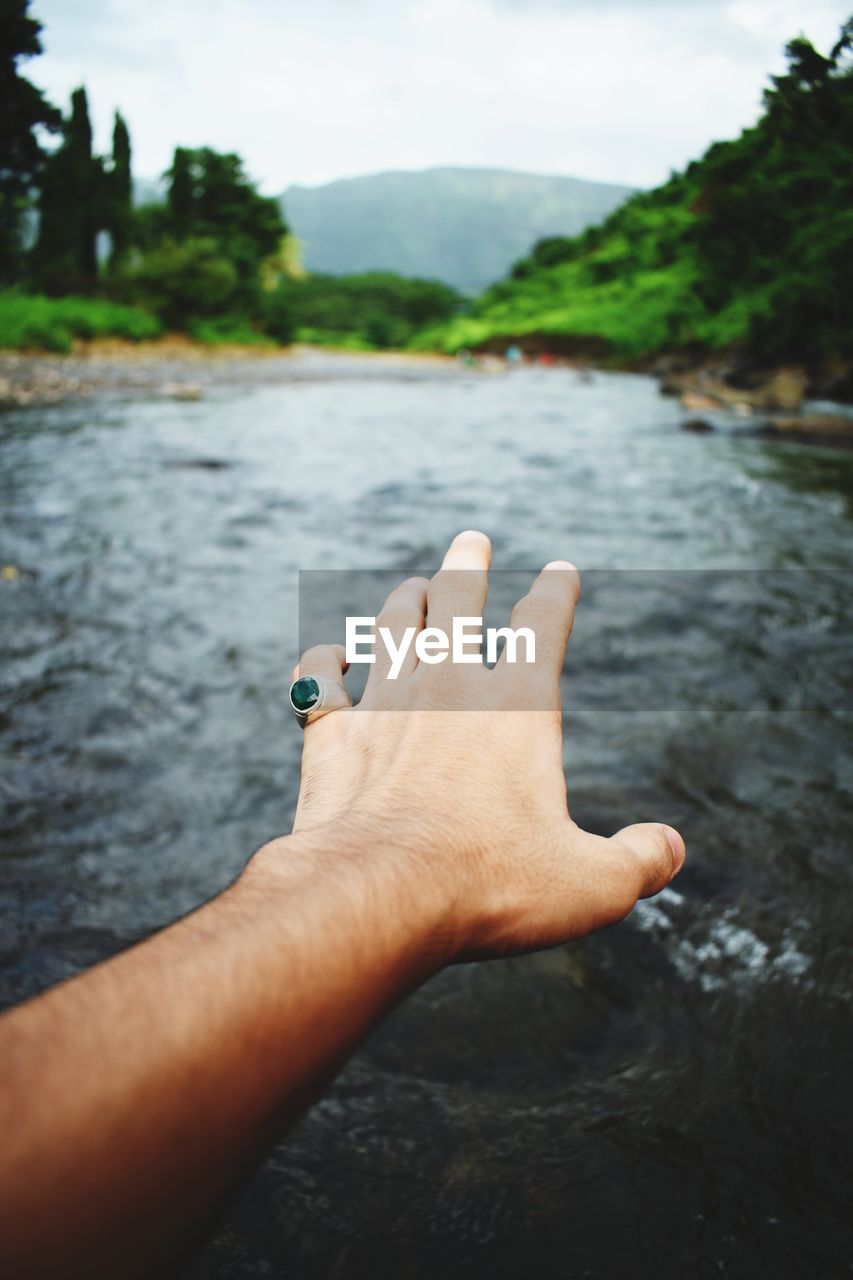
x: 785, y: 390
x: 697, y: 400
x: 812, y: 424
x: 698, y: 425
x: 181, y: 391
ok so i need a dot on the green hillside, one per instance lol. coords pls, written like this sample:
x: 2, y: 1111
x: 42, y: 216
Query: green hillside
x: 750, y: 247
x: 464, y: 227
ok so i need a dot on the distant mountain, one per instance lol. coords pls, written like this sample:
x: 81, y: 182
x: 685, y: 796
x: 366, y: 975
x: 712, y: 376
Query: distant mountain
x: 463, y: 226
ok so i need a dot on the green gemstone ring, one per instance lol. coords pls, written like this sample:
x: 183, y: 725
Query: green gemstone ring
x: 312, y: 697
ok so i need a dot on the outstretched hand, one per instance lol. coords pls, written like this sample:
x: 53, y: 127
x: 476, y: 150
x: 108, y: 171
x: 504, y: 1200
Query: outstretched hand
x: 449, y: 761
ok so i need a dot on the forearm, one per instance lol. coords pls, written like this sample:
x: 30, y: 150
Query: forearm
x: 138, y: 1093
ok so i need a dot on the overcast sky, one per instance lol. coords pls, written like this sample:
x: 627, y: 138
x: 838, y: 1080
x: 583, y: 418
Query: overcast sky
x: 311, y: 90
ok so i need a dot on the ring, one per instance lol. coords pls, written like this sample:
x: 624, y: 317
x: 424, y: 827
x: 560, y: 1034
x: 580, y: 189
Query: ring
x: 312, y: 697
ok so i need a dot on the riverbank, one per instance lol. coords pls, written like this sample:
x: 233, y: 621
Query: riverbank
x: 786, y: 400
x: 177, y: 367
x: 712, y: 394
x: 790, y: 399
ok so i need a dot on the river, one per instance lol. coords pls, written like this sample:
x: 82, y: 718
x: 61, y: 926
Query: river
x: 668, y: 1098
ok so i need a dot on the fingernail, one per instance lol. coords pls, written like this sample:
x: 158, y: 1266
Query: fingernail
x: 676, y: 844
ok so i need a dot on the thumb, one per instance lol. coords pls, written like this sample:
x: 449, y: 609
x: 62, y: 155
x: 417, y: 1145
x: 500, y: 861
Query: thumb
x: 658, y: 852
x: 611, y: 874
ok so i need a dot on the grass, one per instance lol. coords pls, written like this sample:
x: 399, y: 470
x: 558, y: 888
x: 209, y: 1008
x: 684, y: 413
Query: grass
x: 333, y: 338
x: 640, y: 311
x: 230, y: 331
x: 51, y: 324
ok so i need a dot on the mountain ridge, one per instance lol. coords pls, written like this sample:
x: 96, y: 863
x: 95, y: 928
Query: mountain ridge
x: 464, y: 225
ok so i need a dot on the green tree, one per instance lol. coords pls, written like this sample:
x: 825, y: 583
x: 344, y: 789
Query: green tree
x: 181, y: 197
x: 23, y: 111
x: 119, y: 194
x: 70, y: 206
x: 775, y: 220
x: 85, y: 173
x: 210, y: 197
x: 376, y: 307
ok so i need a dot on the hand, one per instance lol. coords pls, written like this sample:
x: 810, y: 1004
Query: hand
x: 445, y: 769
x: 432, y: 826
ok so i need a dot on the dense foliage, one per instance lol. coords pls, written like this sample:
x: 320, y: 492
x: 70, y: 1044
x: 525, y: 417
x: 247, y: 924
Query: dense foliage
x: 51, y: 324
x: 203, y: 259
x: 376, y: 309
x: 23, y: 111
x: 202, y: 252
x: 751, y: 247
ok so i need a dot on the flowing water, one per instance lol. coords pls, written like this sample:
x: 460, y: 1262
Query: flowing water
x: 669, y: 1098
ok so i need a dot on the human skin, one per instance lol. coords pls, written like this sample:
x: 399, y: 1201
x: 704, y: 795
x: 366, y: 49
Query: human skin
x: 431, y: 827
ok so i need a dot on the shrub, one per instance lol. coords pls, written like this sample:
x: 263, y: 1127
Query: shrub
x: 374, y: 309
x: 51, y: 324
x: 278, y: 316
x: 228, y: 329
x: 182, y: 281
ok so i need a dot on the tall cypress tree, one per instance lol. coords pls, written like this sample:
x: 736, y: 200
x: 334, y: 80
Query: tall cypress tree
x: 181, y: 198
x: 120, y: 193
x: 70, y: 205
x: 23, y: 109
x: 85, y: 185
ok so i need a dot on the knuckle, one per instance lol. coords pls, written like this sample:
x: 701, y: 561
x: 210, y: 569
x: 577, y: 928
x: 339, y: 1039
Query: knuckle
x: 528, y: 688
x: 317, y: 652
x: 662, y: 857
x: 405, y: 593
x: 653, y: 863
x: 540, y: 613
x: 454, y: 687
x: 617, y: 887
x: 396, y: 616
x: 450, y: 583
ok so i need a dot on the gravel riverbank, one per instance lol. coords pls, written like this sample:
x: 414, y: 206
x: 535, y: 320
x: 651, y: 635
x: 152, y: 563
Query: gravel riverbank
x: 179, y: 369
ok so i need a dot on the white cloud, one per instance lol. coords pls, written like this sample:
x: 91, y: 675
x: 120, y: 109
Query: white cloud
x: 617, y: 89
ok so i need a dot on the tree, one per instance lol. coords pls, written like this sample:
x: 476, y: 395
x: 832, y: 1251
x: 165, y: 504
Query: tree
x: 181, y: 197
x: 210, y: 197
x: 85, y: 173
x: 70, y: 205
x: 775, y: 222
x: 23, y: 111
x: 119, y: 194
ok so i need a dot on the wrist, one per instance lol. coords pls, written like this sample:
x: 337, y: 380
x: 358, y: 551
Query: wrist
x: 368, y: 871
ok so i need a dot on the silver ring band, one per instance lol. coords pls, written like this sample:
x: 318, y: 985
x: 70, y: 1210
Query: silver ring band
x: 311, y: 697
